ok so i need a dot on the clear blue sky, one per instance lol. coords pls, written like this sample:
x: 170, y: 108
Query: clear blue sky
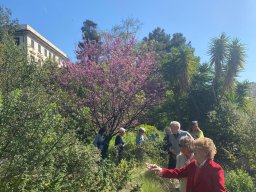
x: 199, y: 20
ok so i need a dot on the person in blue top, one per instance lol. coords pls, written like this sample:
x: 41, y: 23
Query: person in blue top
x: 120, y: 144
x: 99, y: 139
x: 139, y: 137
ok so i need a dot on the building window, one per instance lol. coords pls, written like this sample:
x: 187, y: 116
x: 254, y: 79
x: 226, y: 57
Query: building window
x: 39, y: 48
x: 32, y: 43
x: 17, y: 40
x: 50, y: 55
x: 54, y: 57
x: 45, y: 52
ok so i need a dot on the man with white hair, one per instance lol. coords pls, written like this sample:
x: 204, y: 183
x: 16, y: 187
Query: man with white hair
x: 174, y: 138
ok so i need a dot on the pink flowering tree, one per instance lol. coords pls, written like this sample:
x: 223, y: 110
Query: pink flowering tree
x: 118, y: 82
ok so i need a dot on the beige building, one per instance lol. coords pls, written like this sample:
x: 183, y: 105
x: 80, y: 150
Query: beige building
x: 38, y: 47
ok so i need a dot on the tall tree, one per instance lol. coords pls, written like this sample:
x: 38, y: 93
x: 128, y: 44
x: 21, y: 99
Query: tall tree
x: 127, y: 29
x: 178, y: 71
x: 7, y: 25
x: 177, y: 64
x: 228, y: 60
x: 160, y: 40
x: 118, y: 86
x: 178, y: 40
x: 235, y: 63
x: 218, y: 52
x: 89, y: 34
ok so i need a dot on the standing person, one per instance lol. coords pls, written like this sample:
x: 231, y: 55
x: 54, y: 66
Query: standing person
x: 120, y: 144
x: 184, y: 158
x: 139, y: 137
x: 203, y: 174
x: 195, y: 131
x: 99, y: 139
x: 166, y: 144
x: 174, y: 138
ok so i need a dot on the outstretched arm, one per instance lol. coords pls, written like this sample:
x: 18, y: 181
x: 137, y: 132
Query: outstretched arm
x: 169, y: 173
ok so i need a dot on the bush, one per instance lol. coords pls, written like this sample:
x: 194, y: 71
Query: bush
x: 151, y: 150
x: 41, y: 129
x: 39, y: 152
x: 233, y: 131
x: 239, y: 181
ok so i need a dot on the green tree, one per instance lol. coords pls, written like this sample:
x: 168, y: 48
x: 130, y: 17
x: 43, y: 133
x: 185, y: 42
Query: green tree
x: 89, y: 34
x: 160, y: 40
x: 235, y: 63
x: 200, y: 98
x: 177, y: 65
x: 178, y: 40
x: 178, y: 71
x: 218, y: 52
x: 89, y: 31
x: 228, y: 60
x: 127, y: 29
x: 7, y: 25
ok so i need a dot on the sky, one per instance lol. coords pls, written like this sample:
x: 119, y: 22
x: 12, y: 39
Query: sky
x: 60, y: 21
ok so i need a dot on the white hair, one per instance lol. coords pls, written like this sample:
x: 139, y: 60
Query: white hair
x: 175, y: 123
x: 121, y: 130
x: 142, y: 129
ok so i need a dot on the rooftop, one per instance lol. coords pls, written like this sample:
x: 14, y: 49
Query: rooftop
x: 32, y: 30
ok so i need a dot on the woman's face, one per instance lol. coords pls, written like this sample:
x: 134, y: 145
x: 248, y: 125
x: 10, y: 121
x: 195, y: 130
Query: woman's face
x: 194, y: 128
x: 168, y: 131
x: 200, y: 154
x: 121, y: 133
x: 185, y: 151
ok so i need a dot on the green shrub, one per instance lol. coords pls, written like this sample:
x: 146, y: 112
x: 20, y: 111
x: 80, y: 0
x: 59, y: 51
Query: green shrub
x: 239, y: 181
x: 151, y: 150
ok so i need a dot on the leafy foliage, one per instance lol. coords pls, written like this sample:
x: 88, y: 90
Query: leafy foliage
x: 117, y: 80
x: 232, y: 130
x: 239, y: 181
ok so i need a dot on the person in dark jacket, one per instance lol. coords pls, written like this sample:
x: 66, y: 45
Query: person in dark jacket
x: 120, y: 144
x: 99, y: 141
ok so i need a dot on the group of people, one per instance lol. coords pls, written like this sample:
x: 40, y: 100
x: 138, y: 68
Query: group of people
x: 173, y: 137
x: 191, y: 160
x: 190, y: 157
x: 100, y: 143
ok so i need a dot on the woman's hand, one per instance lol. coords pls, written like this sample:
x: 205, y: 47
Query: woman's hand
x: 155, y: 168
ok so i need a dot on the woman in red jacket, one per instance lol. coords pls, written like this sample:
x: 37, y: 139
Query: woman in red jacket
x: 203, y: 174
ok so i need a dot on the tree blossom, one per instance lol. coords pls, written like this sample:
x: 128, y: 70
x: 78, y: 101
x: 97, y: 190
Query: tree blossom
x: 118, y: 79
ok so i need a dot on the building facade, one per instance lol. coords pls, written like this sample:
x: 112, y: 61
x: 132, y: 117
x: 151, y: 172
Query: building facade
x: 38, y: 47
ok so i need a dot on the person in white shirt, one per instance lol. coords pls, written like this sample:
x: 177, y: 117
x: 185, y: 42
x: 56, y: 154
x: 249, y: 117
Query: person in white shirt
x: 184, y: 158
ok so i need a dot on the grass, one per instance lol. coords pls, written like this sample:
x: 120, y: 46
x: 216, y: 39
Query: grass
x: 151, y: 182
x: 147, y: 181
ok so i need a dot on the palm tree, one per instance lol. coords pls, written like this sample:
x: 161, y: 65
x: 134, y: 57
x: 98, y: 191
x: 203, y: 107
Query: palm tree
x: 235, y: 63
x: 218, y: 52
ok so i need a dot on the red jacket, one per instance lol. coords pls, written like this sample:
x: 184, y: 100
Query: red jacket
x: 208, y: 178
